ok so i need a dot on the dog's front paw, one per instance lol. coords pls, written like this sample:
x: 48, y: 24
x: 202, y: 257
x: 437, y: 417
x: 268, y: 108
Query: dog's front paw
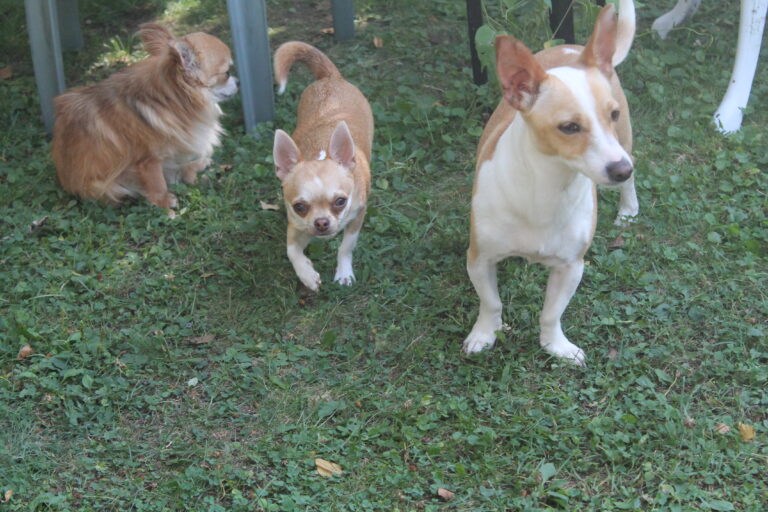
x: 344, y: 278
x: 190, y: 170
x: 561, y: 347
x: 478, y: 341
x: 310, y: 278
x: 624, y: 219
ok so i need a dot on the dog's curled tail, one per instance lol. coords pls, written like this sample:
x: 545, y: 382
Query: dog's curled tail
x: 317, y: 62
x: 625, y: 32
x: 155, y: 37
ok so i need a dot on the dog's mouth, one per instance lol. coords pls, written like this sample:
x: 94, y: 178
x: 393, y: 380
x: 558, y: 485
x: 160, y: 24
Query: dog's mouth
x: 227, y: 90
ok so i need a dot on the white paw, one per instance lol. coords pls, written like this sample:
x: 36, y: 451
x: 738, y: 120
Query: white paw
x: 310, y: 278
x: 344, y: 278
x: 565, y: 349
x: 478, y: 340
x: 624, y: 219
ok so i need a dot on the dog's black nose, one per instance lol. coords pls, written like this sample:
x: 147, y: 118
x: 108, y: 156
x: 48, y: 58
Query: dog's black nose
x: 322, y: 224
x: 619, y: 170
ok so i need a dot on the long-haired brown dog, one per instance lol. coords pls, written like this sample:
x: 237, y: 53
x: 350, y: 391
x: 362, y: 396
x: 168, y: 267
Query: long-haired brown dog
x: 147, y: 126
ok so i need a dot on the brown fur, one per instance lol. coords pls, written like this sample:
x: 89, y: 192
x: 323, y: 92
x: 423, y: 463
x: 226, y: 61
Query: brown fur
x: 324, y: 165
x: 323, y: 104
x: 113, y: 139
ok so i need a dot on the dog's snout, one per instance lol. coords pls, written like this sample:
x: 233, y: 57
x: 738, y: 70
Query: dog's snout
x: 619, y: 170
x: 322, y: 224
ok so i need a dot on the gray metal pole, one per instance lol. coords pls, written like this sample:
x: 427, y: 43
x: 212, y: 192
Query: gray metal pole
x: 69, y: 25
x: 343, y: 19
x: 248, y: 20
x: 44, y: 39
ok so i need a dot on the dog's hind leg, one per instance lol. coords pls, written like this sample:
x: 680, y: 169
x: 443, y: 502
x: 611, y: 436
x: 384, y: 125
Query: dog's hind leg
x: 482, y: 273
x: 562, y: 284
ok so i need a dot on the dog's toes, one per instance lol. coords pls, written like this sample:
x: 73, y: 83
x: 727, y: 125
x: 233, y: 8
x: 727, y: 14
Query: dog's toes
x: 311, y: 281
x: 476, y: 342
x: 171, y: 213
x: 624, y: 220
x: 344, y: 279
x: 568, y: 351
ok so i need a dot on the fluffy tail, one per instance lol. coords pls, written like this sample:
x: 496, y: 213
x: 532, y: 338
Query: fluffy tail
x: 317, y: 62
x: 155, y: 38
x: 625, y: 31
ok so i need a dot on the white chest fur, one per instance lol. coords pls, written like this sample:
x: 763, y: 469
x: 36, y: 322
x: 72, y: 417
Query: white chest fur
x: 531, y: 205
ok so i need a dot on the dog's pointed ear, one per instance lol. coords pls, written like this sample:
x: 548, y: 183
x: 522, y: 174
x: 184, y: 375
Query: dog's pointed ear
x: 601, y: 46
x: 155, y: 38
x: 520, y: 74
x: 342, y: 148
x: 186, y: 56
x: 285, y: 153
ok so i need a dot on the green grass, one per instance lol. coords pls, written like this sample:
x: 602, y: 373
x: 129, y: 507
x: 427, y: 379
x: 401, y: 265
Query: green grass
x: 179, y: 365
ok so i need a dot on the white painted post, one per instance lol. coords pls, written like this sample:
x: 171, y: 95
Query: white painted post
x: 729, y: 114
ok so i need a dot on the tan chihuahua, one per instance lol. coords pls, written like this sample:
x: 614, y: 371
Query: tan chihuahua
x: 324, y: 167
x: 562, y: 127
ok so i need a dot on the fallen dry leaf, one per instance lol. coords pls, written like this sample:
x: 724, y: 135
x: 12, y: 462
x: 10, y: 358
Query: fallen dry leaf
x: 747, y: 432
x: 617, y: 242
x: 207, y: 275
x: 202, y: 340
x: 7, y: 496
x: 689, y: 422
x: 328, y: 30
x: 445, y: 494
x: 378, y: 42
x: 25, y: 352
x: 612, y: 353
x: 327, y: 469
x: 269, y: 206
x: 722, y: 428
x: 6, y: 73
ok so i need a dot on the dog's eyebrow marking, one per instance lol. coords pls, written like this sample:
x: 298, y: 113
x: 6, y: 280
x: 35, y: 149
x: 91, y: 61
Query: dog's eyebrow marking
x: 322, y: 155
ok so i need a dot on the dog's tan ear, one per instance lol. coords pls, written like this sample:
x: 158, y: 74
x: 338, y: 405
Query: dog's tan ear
x: 601, y: 46
x: 155, y: 38
x: 519, y: 72
x: 186, y: 56
x: 342, y: 148
x: 285, y: 153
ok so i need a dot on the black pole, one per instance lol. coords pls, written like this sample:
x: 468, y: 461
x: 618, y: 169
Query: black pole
x: 561, y: 20
x: 474, y: 21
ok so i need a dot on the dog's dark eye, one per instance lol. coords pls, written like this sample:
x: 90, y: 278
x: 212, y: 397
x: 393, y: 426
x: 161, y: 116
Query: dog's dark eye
x: 301, y: 208
x: 615, y: 115
x: 569, y: 128
x: 340, y: 202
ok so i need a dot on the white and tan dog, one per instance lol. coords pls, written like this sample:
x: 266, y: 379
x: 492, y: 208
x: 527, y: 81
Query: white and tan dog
x: 562, y: 128
x: 324, y: 168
